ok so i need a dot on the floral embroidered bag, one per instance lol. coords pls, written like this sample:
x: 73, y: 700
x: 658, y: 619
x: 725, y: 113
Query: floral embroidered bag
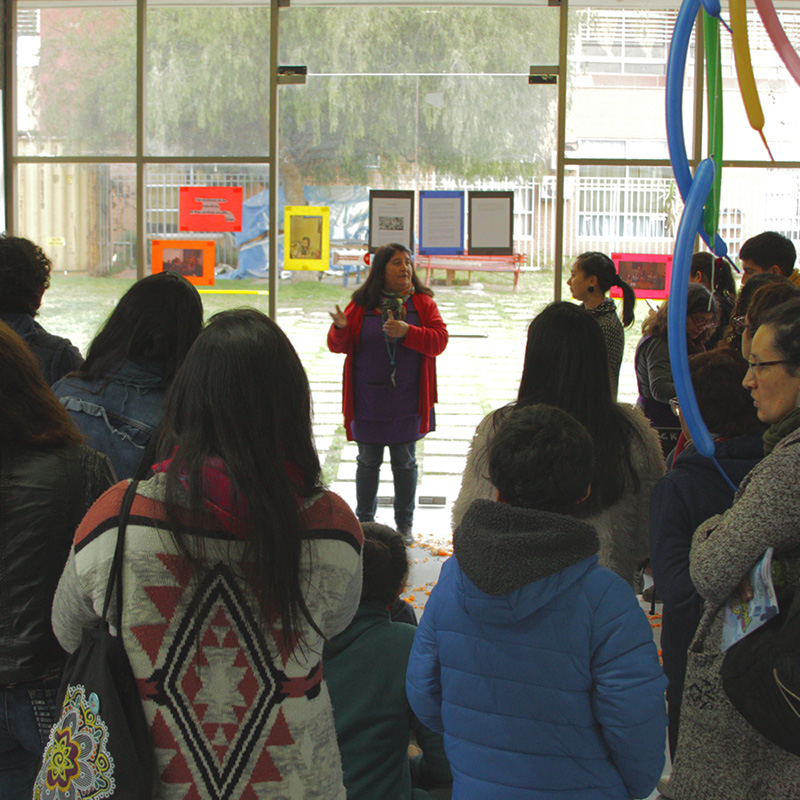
x: 100, y: 746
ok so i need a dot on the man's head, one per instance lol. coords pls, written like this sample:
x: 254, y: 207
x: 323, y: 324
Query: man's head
x: 767, y: 252
x: 24, y: 275
x: 542, y: 458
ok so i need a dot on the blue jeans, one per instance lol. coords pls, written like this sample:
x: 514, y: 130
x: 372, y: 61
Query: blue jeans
x: 404, y: 473
x: 23, y: 732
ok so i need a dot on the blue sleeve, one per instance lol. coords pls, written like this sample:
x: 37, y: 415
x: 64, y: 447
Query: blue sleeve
x: 423, y: 676
x: 628, y: 694
x: 671, y: 532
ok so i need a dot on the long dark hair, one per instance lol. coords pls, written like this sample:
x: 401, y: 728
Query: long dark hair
x: 155, y: 322
x: 30, y: 414
x: 242, y: 395
x: 717, y: 273
x: 566, y: 366
x: 746, y: 295
x: 368, y: 295
x: 602, y: 267
x: 698, y: 299
x: 725, y: 405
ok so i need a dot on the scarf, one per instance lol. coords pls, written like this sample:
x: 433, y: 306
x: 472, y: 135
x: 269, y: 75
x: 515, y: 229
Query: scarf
x: 778, y: 430
x: 395, y: 302
x: 219, y: 497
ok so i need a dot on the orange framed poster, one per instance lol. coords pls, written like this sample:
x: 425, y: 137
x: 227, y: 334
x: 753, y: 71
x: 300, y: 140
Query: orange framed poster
x: 192, y: 258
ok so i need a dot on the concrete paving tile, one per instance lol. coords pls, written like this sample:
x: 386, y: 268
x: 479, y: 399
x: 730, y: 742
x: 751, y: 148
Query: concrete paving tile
x: 452, y: 432
x: 330, y: 418
x: 323, y: 445
x: 325, y: 430
x: 447, y: 465
x: 458, y: 408
x: 444, y: 448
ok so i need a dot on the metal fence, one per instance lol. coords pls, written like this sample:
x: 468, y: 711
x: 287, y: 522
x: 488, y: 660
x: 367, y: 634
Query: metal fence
x: 86, y: 214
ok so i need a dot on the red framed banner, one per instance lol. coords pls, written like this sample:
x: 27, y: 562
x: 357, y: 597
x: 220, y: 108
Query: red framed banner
x: 210, y: 208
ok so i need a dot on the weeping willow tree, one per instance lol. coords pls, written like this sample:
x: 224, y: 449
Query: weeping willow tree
x: 391, y: 92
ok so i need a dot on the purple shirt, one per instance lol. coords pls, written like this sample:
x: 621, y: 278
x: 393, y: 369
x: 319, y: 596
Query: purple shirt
x: 386, y: 414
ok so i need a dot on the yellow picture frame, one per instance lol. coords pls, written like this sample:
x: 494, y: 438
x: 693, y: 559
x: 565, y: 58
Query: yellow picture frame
x: 307, y: 239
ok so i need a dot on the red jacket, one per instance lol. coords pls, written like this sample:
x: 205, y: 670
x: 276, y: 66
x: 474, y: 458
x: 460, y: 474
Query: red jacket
x: 429, y: 339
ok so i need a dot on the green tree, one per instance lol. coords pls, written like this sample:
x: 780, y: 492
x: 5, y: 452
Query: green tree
x: 392, y: 92
x: 474, y: 117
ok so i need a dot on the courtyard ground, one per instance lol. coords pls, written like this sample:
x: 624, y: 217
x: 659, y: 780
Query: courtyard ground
x: 478, y: 372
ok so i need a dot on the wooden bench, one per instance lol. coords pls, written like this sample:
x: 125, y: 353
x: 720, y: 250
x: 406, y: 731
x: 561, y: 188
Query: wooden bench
x: 469, y: 264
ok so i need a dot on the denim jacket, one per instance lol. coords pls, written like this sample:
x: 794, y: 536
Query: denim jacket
x: 119, y: 418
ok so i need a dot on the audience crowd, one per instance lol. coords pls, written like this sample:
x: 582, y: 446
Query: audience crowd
x: 262, y: 617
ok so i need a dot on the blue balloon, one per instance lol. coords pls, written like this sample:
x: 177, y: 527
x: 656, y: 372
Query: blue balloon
x: 712, y: 8
x: 676, y: 310
x: 676, y: 67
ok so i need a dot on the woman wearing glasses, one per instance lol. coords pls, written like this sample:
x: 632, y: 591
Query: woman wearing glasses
x: 653, y: 367
x: 719, y: 754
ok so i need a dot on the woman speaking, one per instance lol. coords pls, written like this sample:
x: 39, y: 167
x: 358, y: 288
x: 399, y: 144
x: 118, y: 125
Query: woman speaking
x: 391, y: 332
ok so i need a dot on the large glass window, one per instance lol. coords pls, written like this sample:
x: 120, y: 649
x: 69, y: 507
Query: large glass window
x: 207, y: 91
x: 76, y: 80
x: 84, y: 215
x: 779, y: 95
x: 616, y: 81
x: 422, y: 98
x: 396, y: 97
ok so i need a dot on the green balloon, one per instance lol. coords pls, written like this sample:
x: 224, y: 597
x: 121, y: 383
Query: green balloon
x: 715, y: 119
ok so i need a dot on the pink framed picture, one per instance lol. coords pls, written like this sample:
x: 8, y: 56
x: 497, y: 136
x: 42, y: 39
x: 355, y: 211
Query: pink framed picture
x: 648, y: 274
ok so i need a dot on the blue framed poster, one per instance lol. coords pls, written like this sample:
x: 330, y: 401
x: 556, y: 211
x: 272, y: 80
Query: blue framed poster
x: 441, y: 223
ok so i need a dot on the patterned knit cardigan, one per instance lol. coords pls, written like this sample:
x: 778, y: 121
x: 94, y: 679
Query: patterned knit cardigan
x: 229, y: 717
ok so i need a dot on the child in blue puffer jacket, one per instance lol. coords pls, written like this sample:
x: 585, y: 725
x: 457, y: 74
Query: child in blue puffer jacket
x: 536, y: 663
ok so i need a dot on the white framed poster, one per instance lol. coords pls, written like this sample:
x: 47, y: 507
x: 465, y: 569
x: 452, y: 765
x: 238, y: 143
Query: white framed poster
x: 491, y: 223
x: 391, y: 218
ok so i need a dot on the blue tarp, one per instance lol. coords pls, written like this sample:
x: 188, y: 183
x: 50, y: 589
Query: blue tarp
x: 349, y: 224
x: 349, y: 211
x: 254, y: 255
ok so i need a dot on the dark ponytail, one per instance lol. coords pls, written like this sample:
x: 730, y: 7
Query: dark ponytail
x: 602, y: 267
x: 716, y: 272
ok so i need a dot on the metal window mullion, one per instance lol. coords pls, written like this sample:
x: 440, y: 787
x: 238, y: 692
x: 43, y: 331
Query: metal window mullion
x: 141, y: 190
x: 9, y: 113
x: 563, y: 43
x: 274, y: 177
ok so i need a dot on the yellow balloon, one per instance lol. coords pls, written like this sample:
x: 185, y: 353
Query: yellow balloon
x: 744, y: 66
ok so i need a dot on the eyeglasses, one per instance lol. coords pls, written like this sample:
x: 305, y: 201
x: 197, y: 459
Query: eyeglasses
x: 739, y: 325
x: 757, y: 366
x: 675, y: 406
x: 702, y: 322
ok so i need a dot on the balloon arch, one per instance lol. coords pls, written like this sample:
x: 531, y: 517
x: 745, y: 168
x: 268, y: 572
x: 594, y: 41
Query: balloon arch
x: 701, y: 192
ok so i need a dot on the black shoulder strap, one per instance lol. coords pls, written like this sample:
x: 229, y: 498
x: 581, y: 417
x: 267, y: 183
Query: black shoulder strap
x: 115, y: 573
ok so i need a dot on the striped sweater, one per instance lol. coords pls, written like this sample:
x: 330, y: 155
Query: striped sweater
x: 229, y: 716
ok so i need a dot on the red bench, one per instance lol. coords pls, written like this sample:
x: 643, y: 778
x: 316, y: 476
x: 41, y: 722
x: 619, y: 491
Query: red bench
x: 469, y: 264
